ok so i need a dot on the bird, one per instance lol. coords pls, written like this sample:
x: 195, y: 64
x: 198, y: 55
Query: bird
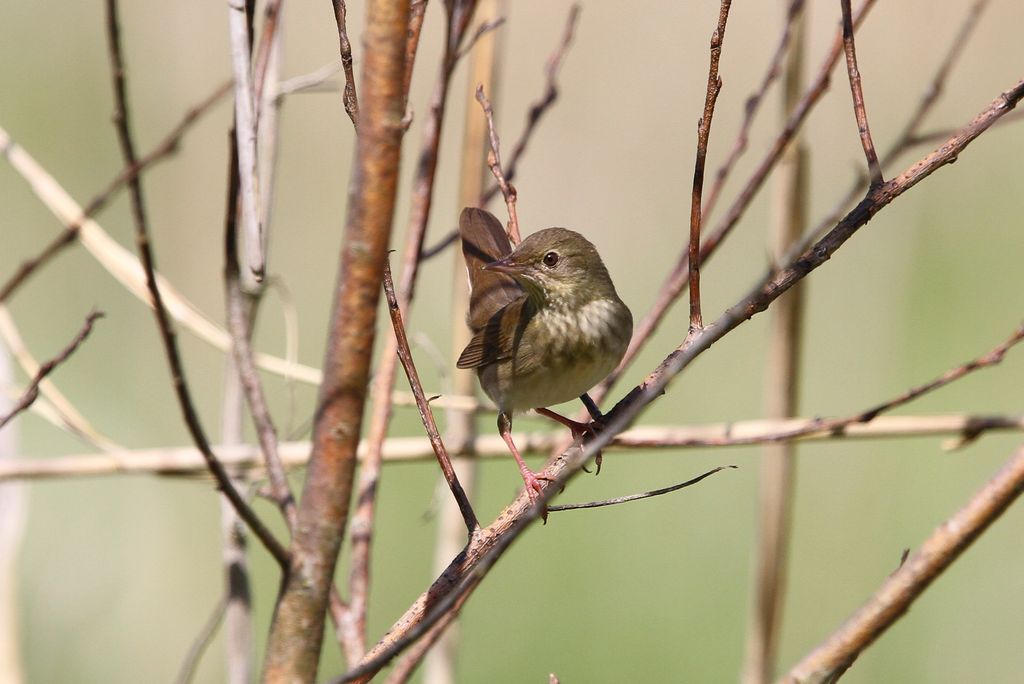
x: 547, y: 323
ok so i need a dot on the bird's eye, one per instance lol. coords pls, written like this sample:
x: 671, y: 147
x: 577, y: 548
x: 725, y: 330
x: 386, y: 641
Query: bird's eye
x: 550, y: 259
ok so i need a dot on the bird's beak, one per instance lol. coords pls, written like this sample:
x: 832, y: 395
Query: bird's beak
x: 506, y: 265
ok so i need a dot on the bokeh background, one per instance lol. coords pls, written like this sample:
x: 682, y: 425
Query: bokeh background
x: 116, y: 575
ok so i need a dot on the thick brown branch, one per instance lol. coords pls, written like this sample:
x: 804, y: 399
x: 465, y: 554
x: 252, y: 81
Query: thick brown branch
x: 293, y: 647
x: 383, y: 382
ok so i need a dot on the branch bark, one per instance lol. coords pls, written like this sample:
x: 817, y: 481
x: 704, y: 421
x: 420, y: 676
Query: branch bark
x: 296, y: 634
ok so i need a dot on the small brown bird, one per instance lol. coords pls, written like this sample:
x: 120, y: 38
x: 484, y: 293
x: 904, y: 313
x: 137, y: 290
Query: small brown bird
x: 547, y: 323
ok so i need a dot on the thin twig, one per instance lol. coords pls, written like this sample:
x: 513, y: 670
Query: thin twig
x: 677, y: 280
x: 32, y: 391
x: 533, y: 118
x: 703, y: 133
x: 909, y: 136
x: 482, y: 29
x: 417, y: 11
x: 752, y: 107
x: 637, y: 497
x: 269, y: 37
x: 187, y: 670
x: 349, y: 96
x: 494, y: 163
x: 857, y: 90
x: 991, y: 358
x: 405, y: 356
x: 54, y: 405
x: 167, y: 335
x: 439, y: 650
x: 899, y: 591
x: 167, y: 147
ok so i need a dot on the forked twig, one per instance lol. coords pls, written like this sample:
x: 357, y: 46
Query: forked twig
x: 32, y: 391
x: 494, y: 163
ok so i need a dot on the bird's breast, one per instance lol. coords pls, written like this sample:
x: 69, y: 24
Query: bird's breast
x: 571, y: 350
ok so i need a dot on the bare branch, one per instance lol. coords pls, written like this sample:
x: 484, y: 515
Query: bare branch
x: 703, y: 133
x: 167, y: 147
x: 892, y: 600
x: 32, y: 391
x: 679, y: 277
x: 859, y: 111
x: 349, y: 96
x: 961, y: 429
x: 753, y: 106
x: 245, y: 140
x: 494, y: 163
x: 293, y: 647
x: 405, y: 356
x: 637, y: 497
x: 187, y: 670
x: 163, y: 320
x: 533, y: 117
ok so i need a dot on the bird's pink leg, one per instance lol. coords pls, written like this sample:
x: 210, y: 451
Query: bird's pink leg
x: 533, y: 486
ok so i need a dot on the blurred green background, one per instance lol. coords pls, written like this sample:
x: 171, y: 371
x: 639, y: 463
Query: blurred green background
x: 117, y: 574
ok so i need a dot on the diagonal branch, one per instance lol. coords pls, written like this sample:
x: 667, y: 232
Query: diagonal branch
x: 892, y: 600
x: 405, y: 356
x: 32, y: 391
x: 677, y: 280
x: 486, y: 547
x: 168, y: 146
x: 167, y: 334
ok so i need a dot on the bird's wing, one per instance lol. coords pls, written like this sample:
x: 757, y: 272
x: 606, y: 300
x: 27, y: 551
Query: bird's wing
x: 498, y: 340
x: 484, y: 241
